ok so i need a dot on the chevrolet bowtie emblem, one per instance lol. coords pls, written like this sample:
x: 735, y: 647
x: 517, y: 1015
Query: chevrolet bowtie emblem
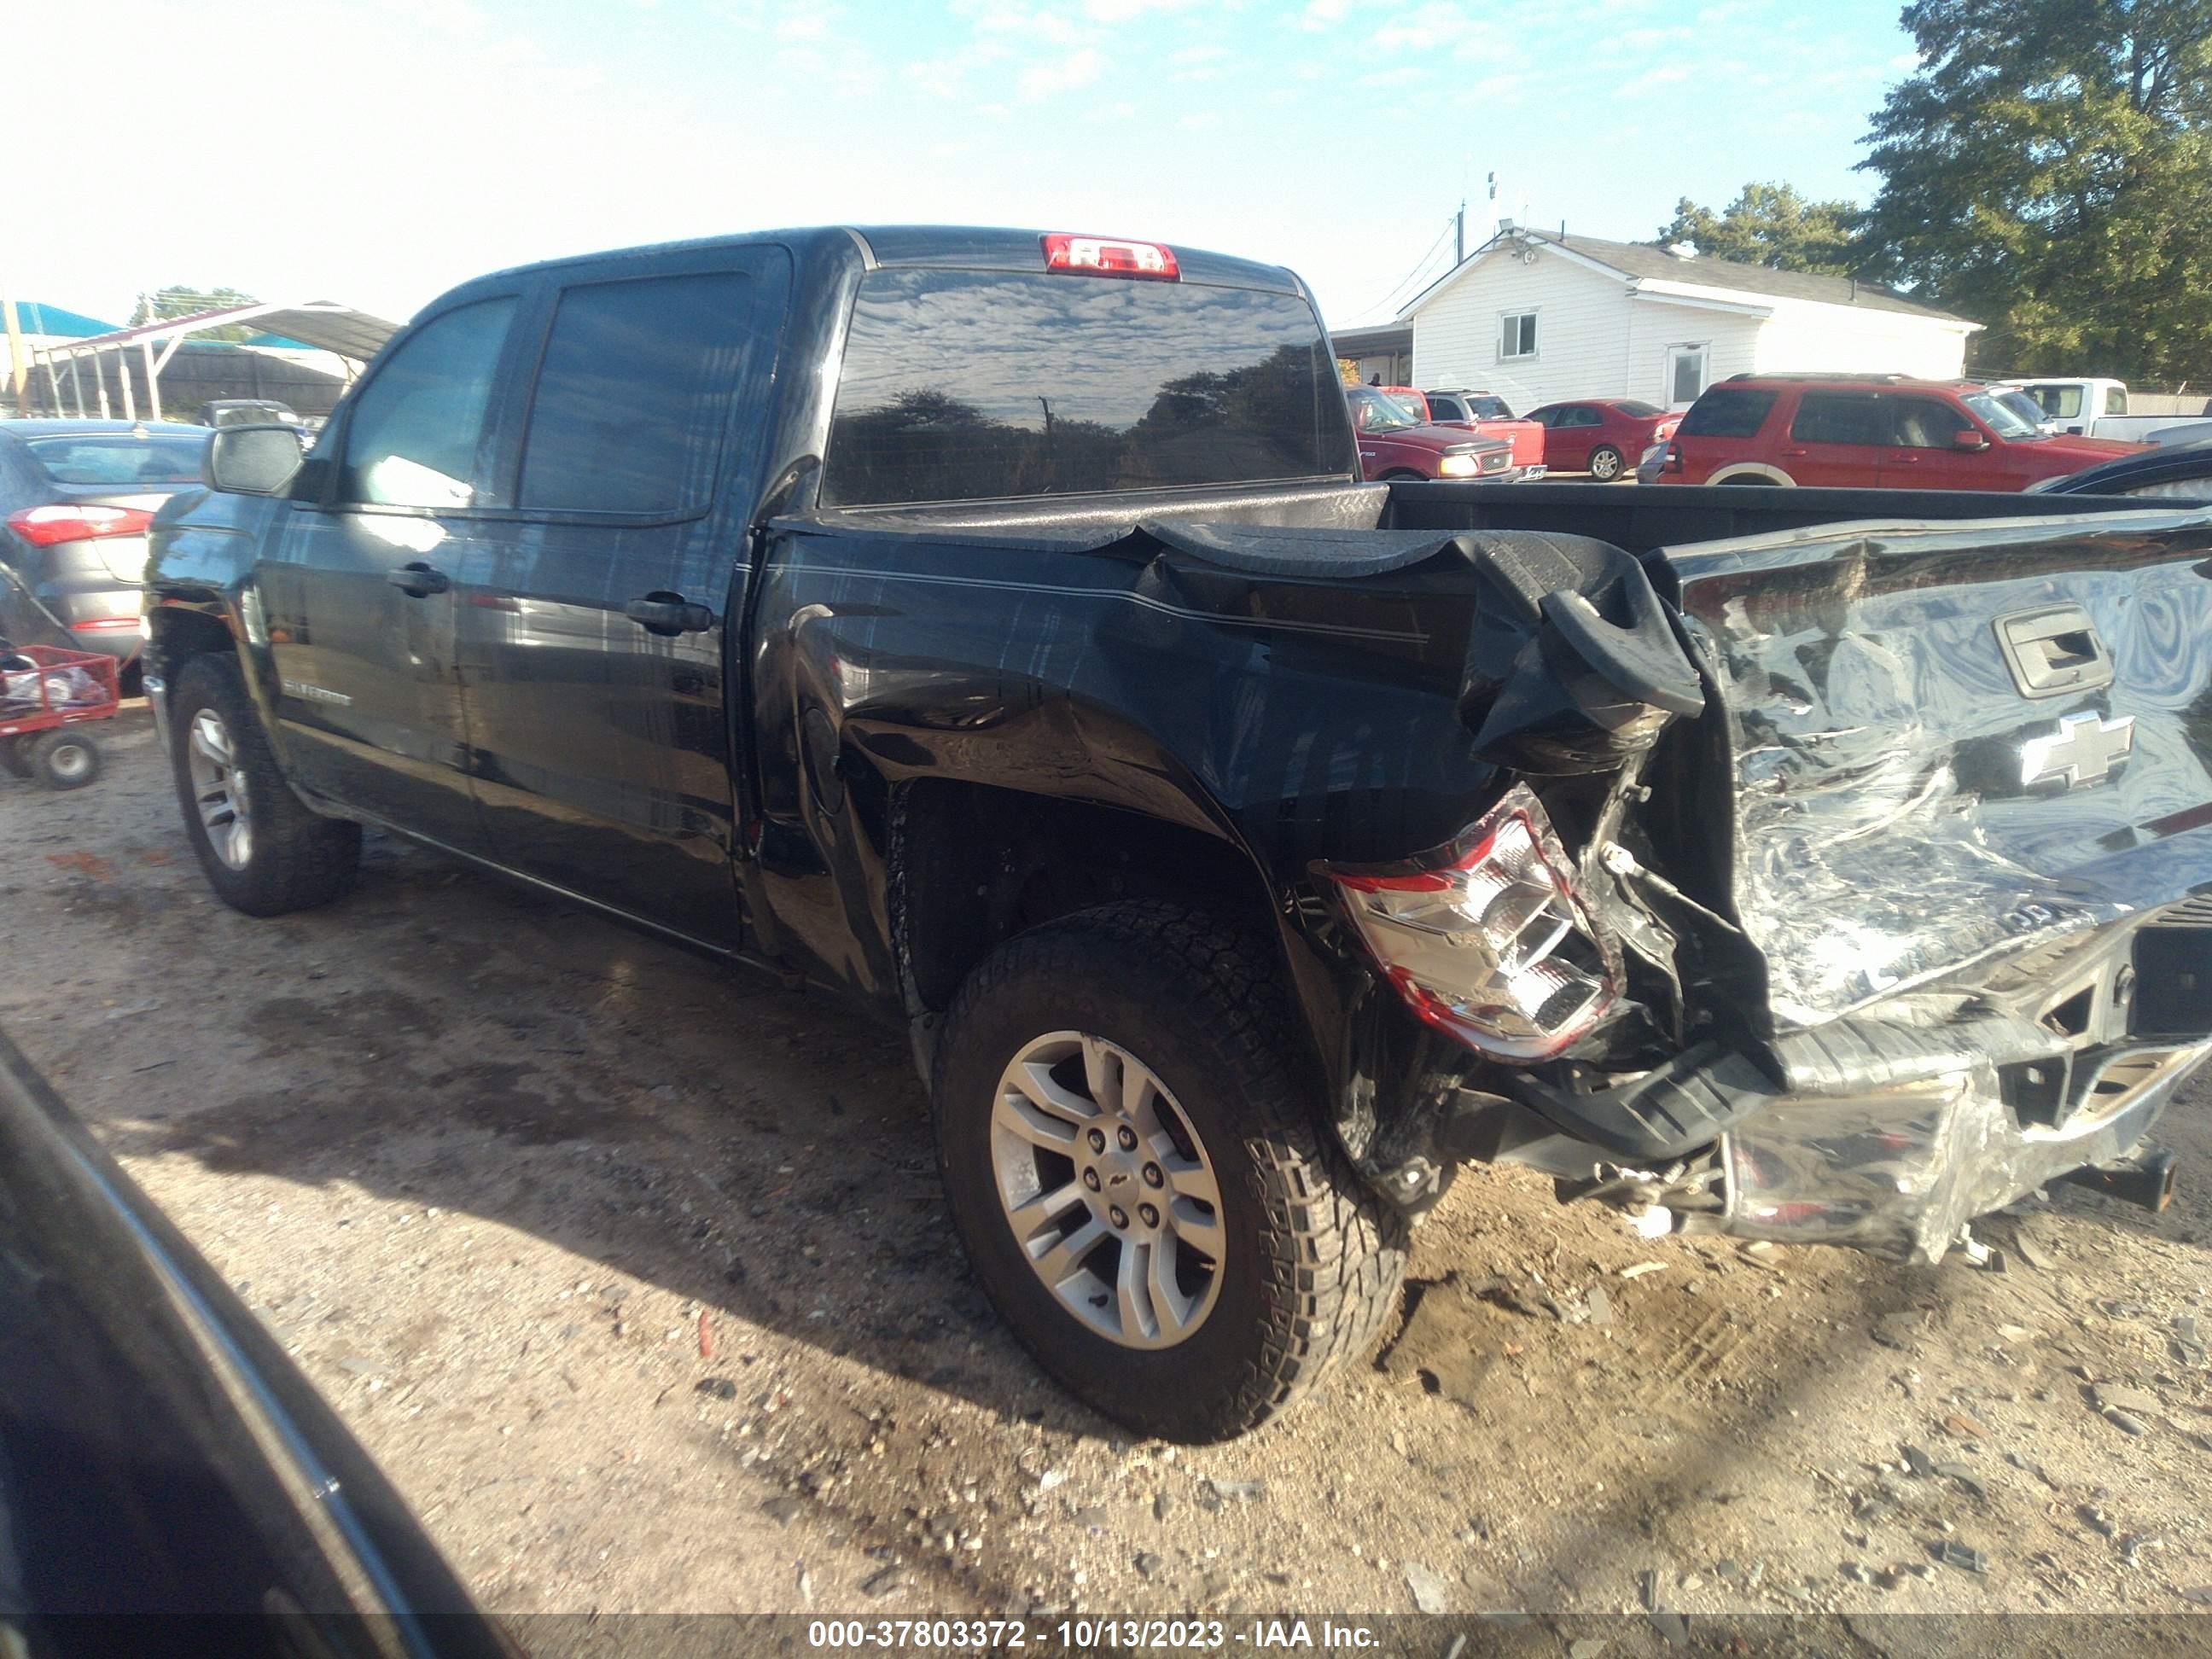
x: 2085, y: 748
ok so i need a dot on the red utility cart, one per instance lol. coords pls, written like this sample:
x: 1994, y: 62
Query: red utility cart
x: 44, y: 707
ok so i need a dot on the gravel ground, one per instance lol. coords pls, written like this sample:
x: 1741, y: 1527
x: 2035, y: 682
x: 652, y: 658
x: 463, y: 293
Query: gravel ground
x: 634, y: 1275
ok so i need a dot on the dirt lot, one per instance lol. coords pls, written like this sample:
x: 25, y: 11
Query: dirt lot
x: 501, y: 1174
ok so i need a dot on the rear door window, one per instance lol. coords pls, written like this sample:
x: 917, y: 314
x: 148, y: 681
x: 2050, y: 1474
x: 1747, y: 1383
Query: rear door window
x: 974, y: 385
x: 1728, y: 412
x: 632, y: 397
x: 411, y: 440
x: 1840, y: 417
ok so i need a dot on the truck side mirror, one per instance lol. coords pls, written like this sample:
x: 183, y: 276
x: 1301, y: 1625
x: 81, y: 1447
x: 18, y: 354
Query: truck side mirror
x: 1967, y: 438
x: 252, y: 460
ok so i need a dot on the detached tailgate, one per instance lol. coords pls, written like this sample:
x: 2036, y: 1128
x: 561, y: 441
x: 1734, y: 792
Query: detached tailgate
x: 1950, y: 743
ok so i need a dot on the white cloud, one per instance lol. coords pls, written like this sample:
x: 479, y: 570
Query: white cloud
x: 1004, y: 17
x: 1658, y: 75
x: 1431, y: 27
x: 803, y: 26
x: 1053, y: 77
x: 1405, y: 75
x: 1197, y: 64
x: 1121, y: 11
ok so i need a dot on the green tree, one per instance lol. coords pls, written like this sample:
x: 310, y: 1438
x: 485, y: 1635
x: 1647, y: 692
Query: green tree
x: 177, y: 301
x: 1769, y: 225
x: 2045, y: 172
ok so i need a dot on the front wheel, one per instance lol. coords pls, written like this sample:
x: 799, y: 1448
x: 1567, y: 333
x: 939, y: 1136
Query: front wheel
x: 1605, y: 463
x: 1128, y: 1140
x: 259, y: 846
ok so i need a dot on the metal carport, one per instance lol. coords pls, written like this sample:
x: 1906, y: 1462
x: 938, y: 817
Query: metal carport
x: 324, y: 324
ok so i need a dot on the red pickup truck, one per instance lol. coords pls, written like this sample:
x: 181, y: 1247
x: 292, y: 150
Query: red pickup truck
x: 1483, y: 412
x: 1394, y: 444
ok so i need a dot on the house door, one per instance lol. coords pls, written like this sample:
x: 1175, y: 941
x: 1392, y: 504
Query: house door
x: 1686, y: 374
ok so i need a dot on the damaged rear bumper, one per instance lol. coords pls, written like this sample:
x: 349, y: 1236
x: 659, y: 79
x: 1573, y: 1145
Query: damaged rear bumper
x: 1901, y: 1170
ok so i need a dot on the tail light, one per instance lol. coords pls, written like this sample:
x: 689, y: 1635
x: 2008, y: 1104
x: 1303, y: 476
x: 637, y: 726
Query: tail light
x: 1107, y: 256
x: 69, y: 521
x: 1488, y: 942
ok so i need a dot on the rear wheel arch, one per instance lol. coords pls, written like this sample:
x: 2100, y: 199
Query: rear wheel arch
x: 973, y: 865
x: 1751, y: 472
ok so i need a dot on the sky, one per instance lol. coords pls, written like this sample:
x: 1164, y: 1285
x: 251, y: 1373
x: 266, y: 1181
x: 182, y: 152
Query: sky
x: 378, y: 152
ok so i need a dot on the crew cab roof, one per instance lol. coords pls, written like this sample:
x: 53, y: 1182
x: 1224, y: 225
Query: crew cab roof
x: 955, y: 246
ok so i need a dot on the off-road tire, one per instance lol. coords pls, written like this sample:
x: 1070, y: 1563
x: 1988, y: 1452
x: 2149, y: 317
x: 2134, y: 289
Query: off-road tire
x: 1314, y: 1259
x: 14, y: 760
x: 298, y: 858
x: 64, y: 758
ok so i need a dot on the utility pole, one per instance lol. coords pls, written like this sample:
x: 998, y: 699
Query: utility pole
x: 1459, y: 235
x: 19, y: 371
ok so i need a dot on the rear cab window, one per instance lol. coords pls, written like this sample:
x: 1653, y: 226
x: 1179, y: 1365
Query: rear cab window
x: 2061, y: 403
x: 976, y: 385
x: 1728, y: 412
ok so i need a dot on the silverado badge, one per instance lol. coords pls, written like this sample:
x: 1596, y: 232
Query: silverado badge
x: 2085, y: 750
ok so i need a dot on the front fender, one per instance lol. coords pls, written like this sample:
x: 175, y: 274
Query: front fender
x: 205, y: 549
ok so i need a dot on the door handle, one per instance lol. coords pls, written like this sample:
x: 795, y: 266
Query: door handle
x: 1905, y: 458
x: 669, y: 614
x: 417, y: 581
x: 1793, y: 453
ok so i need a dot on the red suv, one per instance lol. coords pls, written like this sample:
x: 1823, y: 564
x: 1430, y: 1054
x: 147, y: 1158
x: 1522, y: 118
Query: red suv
x: 1866, y: 431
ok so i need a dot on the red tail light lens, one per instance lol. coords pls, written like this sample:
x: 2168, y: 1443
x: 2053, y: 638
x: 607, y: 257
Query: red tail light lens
x: 67, y: 522
x: 1106, y: 255
x: 1492, y: 947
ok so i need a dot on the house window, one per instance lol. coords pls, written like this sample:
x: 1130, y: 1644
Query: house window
x: 1519, y: 337
x: 1686, y: 375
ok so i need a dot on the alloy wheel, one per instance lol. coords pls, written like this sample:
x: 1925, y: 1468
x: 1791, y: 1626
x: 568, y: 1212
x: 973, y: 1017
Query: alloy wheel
x: 219, y: 789
x: 1112, y: 1198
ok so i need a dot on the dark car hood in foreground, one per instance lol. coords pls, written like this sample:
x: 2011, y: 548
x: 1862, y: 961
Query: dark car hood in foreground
x: 159, y: 1456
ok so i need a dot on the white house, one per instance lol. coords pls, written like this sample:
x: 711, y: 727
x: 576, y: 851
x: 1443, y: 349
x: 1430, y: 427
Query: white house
x: 1538, y: 317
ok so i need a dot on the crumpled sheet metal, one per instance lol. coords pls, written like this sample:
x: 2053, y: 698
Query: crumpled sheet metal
x: 1883, y: 837
x: 1900, y: 1171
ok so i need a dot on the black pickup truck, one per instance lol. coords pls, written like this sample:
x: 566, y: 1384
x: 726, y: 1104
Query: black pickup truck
x: 991, y: 626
